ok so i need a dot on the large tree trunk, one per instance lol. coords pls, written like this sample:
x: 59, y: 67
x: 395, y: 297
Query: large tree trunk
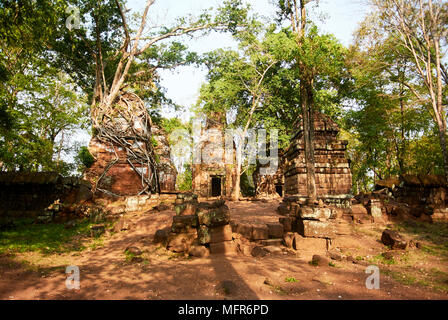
x: 236, y: 187
x: 306, y: 97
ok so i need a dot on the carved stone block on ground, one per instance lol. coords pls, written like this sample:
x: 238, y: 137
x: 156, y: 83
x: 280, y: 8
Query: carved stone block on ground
x: 316, y: 229
x: 215, y: 217
x: 315, y: 213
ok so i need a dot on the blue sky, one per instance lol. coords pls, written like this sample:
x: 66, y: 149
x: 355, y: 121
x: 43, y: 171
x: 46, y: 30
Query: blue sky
x: 340, y: 17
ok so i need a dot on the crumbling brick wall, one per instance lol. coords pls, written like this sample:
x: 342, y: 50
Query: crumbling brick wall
x: 29, y: 194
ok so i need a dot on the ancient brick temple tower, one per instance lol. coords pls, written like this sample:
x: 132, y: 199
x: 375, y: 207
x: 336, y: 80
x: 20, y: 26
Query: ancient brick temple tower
x: 122, y: 166
x: 212, y: 177
x: 333, y: 176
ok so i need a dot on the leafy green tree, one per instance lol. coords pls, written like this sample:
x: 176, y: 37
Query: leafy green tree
x: 419, y: 29
x: 316, y: 57
x: 40, y: 105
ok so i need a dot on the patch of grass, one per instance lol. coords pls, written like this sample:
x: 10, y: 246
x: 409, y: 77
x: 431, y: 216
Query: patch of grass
x: 401, y: 277
x: 129, y: 256
x: 435, y: 234
x: 436, y: 279
x: 96, y: 243
x: 436, y: 250
x: 331, y: 264
x: 290, y: 279
x: 45, y: 238
x: 380, y: 258
x: 280, y: 291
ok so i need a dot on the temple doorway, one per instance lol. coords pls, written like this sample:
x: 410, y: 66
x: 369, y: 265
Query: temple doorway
x: 279, y: 190
x: 216, y: 186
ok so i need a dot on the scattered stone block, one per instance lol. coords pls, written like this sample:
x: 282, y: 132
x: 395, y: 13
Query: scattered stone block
x: 136, y: 203
x: 376, y: 211
x: 245, y: 247
x: 133, y: 250
x: 393, y: 239
x: 259, y: 252
x: 315, y: 213
x: 318, y: 260
x: 316, y: 229
x: 161, y: 236
x: 245, y: 230
x: 260, y: 232
x: 304, y: 244
x: 334, y: 255
x: 275, y: 230
x: 215, y: 217
x: 287, y: 223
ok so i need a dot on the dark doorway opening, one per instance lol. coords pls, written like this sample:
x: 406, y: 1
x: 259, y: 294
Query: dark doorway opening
x: 279, y: 190
x: 216, y: 186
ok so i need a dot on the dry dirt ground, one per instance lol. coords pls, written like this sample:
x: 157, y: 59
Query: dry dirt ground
x: 105, y: 273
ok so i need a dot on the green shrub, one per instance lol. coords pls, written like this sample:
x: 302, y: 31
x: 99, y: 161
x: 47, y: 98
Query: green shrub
x: 84, y: 158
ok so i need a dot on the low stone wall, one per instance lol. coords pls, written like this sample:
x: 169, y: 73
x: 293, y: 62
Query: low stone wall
x: 29, y: 194
x: 422, y: 197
